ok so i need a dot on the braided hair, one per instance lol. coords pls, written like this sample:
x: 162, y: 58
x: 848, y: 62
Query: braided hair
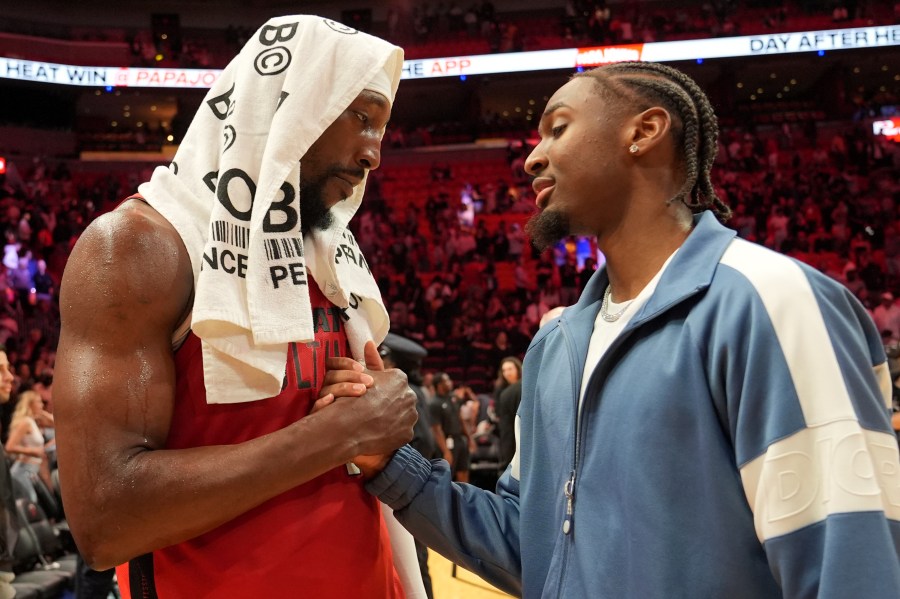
x: 694, y: 128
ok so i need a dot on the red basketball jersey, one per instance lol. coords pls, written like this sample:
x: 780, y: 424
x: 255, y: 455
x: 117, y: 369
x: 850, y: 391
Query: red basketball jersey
x: 324, y: 539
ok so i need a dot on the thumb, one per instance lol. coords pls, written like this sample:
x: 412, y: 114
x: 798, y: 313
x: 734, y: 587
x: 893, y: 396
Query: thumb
x: 373, y: 360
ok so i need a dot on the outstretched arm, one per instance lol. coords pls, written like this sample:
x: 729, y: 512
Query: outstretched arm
x: 474, y: 528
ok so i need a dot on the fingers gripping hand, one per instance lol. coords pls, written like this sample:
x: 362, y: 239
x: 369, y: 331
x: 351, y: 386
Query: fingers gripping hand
x: 322, y: 402
x: 344, y: 377
x: 389, y: 409
x: 379, y: 400
x: 392, y: 415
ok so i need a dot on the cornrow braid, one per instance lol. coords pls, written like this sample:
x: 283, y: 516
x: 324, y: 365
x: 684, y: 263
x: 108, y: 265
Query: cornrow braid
x: 697, y: 128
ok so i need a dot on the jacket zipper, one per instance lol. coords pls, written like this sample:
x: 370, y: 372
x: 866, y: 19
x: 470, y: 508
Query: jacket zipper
x: 569, y: 486
x: 569, y: 492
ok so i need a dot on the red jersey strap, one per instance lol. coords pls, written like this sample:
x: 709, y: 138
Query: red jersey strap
x: 140, y: 578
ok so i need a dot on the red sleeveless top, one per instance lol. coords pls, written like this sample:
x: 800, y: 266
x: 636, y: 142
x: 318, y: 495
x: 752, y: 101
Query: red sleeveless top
x: 324, y: 539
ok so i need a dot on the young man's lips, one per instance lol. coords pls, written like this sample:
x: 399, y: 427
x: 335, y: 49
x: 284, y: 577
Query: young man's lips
x: 543, y: 196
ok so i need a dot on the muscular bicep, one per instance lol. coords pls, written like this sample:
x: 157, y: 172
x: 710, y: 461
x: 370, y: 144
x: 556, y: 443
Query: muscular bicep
x: 113, y: 385
x: 125, y: 286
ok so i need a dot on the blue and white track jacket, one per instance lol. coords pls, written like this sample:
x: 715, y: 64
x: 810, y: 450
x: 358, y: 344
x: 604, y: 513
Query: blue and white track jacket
x: 734, y: 443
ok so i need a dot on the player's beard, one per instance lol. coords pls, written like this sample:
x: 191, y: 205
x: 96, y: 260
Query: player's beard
x: 314, y: 213
x: 546, y: 228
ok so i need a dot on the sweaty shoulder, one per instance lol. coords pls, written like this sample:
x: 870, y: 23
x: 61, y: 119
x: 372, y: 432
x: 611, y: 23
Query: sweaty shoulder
x: 129, y: 259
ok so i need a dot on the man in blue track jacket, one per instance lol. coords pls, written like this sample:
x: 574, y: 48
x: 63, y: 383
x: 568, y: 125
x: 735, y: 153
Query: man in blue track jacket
x: 710, y: 420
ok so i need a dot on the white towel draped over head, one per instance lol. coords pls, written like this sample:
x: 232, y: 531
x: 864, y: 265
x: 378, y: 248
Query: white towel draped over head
x: 232, y: 192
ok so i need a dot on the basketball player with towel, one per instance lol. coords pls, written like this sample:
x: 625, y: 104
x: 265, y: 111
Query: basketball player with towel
x: 197, y: 320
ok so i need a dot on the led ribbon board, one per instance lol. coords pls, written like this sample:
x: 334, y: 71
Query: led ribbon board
x: 482, y: 64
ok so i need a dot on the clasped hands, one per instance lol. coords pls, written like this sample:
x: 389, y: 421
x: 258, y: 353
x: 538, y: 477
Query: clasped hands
x: 382, y: 401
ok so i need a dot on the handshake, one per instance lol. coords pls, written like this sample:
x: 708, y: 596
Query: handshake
x: 377, y: 406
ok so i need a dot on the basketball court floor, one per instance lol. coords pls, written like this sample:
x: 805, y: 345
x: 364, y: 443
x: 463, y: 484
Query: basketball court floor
x: 464, y: 586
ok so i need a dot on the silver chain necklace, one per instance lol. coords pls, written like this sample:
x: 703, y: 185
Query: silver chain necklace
x: 604, y: 307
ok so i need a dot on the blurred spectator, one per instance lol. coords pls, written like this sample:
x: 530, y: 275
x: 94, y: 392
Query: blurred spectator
x: 448, y: 429
x: 43, y: 282
x: 22, y: 282
x: 26, y: 442
x: 507, y: 395
x: 11, y: 251
x: 887, y: 315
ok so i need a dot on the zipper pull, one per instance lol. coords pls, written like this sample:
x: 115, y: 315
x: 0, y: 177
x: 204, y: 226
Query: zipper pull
x: 569, y: 491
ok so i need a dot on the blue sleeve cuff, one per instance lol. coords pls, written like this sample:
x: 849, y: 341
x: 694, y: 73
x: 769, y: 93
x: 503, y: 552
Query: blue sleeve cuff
x: 402, y: 479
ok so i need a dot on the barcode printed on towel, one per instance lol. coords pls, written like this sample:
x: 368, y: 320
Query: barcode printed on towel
x: 276, y: 249
x: 236, y: 235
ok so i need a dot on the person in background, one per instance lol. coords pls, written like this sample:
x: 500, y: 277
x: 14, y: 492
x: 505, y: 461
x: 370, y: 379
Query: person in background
x: 9, y: 520
x: 887, y: 315
x: 469, y: 414
x: 449, y: 433
x: 508, y: 396
x: 407, y: 355
x: 26, y: 441
x: 507, y: 373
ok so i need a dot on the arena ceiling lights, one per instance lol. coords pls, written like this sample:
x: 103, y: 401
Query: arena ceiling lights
x: 570, y: 58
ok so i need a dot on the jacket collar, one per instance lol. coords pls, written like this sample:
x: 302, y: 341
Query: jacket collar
x: 690, y: 272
